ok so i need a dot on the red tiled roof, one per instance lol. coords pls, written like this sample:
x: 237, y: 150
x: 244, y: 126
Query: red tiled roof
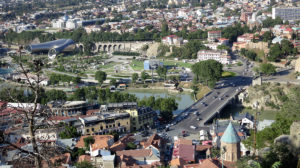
x: 203, y: 147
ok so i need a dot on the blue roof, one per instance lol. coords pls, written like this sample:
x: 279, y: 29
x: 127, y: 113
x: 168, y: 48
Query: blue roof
x: 230, y: 135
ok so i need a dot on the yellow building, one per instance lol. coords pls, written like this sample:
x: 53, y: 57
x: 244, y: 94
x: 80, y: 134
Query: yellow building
x: 141, y: 118
x: 105, y: 123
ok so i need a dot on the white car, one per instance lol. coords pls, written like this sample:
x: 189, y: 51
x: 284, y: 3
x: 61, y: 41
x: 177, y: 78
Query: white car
x: 193, y: 127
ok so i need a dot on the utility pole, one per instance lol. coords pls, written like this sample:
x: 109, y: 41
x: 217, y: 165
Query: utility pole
x: 254, y: 136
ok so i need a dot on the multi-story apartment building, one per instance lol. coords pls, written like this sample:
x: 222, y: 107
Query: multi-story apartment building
x: 286, y: 13
x: 141, y: 118
x: 213, y: 35
x: 105, y: 123
x: 220, y: 56
x: 68, y: 108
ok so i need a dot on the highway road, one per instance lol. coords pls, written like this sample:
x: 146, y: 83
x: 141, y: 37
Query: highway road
x: 211, y: 103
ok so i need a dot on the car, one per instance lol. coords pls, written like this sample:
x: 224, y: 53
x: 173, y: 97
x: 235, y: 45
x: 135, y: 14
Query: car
x: 215, y: 97
x: 220, y: 98
x: 193, y: 127
x: 198, y: 119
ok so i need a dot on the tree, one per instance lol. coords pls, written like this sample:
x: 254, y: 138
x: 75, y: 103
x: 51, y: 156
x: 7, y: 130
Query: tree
x: 84, y: 164
x: 134, y: 77
x: 267, y: 68
x: 166, y: 107
x: 54, y: 95
x: 130, y: 146
x: 113, y: 82
x: 144, y: 75
x: 30, y: 118
x: 223, y: 47
x: 69, y: 132
x: 162, y: 72
x: 267, y: 36
x: 207, y: 72
x: 88, y: 141
x: 100, y: 76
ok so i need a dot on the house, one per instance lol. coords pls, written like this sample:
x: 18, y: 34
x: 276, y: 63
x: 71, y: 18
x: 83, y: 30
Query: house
x: 246, y: 120
x: 211, y: 163
x: 172, y: 40
x: 138, y: 157
x: 100, y: 157
x: 101, y: 142
x: 183, y: 152
x: 122, y: 143
x: 157, y: 144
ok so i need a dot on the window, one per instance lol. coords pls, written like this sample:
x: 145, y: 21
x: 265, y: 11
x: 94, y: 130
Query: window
x: 87, y: 130
x: 106, y: 126
x: 114, y: 125
x: 101, y: 128
x: 93, y: 129
x: 119, y: 124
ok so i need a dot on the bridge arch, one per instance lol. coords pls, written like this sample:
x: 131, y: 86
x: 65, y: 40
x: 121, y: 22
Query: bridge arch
x: 119, y: 47
x: 99, y: 48
x: 104, y: 47
x: 109, y: 47
x: 115, y: 47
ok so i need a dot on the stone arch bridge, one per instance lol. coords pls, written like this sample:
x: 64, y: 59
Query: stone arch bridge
x: 115, y: 46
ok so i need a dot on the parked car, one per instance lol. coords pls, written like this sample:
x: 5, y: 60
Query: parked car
x: 193, y: 127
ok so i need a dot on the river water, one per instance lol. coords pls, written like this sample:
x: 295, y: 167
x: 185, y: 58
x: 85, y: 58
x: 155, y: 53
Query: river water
x: 184, y: 99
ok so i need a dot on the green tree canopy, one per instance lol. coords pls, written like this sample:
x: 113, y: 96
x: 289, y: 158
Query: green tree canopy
x: 162, y: 72
x: 208, y: 72
x: 134, y: 77
x: 100, y: 76
x: 88, y: 141
x: 267, y: 68
x: 69, y: 132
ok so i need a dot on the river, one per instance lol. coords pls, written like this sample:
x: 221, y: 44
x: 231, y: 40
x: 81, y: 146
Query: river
x: 184, y: 99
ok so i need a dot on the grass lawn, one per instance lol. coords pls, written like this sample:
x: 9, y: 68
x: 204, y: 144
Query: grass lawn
x: 137, y: 65
x: 203, y: 90
x: 177, y: 63
x: 226, y: 74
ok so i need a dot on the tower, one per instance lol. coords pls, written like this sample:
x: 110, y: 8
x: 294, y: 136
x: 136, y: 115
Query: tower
x: 230, y: 144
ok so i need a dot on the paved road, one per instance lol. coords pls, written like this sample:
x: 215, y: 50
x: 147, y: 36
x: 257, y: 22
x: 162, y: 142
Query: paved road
x: 208, y: 105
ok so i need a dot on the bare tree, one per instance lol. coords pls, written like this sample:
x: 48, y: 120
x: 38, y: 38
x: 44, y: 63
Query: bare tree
x: 34, y: 115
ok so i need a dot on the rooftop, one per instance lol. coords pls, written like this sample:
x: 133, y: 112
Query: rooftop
x: 230, y: 135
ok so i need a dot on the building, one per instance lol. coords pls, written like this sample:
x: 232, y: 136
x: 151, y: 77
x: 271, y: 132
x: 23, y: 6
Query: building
x: 214, y: 35
x: 286, y: 13
x: 101, y: 142
x: 68, y: 108
x: 105, y: 123
x: 230, y: 144
x: 137, y: 158
x: 220, y: 56
x: 172, y: 40
x: 141, y: 118
x: 152, y: 64
x: 53, y: 48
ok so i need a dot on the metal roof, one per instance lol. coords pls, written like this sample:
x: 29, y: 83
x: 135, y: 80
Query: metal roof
x: 230, y: 135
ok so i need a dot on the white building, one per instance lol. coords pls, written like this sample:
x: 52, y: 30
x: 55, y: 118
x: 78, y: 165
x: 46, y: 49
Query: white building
x: 172, y: 40
x: 286, y: 13
x: 220, y: 56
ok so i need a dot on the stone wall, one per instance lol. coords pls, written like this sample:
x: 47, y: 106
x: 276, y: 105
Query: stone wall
x: 297, y: 65
x: 295, y: 136
x: 260, y: 46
